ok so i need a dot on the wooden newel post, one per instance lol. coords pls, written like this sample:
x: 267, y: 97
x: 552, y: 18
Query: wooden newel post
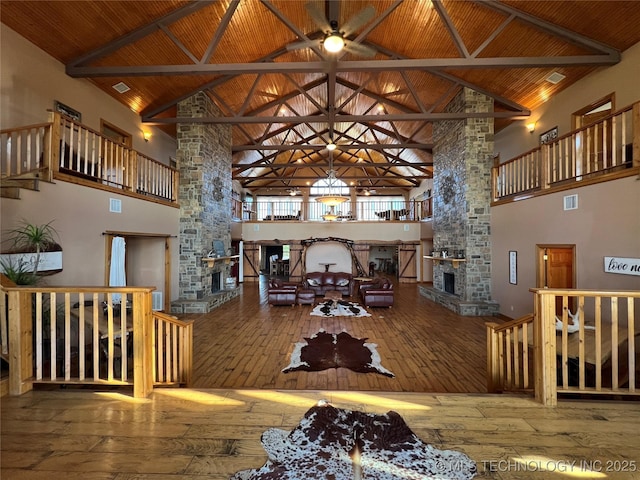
x: 143, y: 360
x: 493, y: 361
x: 545, y: 348
x: 20, y: 342
x: 636, y: 134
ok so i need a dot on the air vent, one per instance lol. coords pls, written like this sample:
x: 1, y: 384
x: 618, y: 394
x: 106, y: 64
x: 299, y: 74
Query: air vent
x: 571, y: 202
x: 115, y: 205
x: 156, y: 301
x: 121, y: 87
x: 555, y: 77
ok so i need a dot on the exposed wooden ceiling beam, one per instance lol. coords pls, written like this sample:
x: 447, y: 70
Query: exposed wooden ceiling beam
x: 350, y: 146
x: 349, y: 66
x: 274, y: 166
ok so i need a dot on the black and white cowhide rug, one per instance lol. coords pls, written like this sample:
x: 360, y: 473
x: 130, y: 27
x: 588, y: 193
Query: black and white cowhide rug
x: 343, y: 308
x: 338, y: 444
x: 330, y: 350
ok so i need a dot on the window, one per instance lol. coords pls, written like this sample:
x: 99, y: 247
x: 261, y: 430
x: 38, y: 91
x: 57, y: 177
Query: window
x: 114, y: 133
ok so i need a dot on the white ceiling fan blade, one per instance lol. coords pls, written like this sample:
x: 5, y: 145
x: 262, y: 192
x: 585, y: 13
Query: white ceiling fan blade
x: 358, y: 20
x: 359, y: 49
x: 304, y: 44
x: 318, y: 17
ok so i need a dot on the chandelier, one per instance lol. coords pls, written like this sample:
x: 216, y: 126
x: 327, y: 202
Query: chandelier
x: 331, y: 199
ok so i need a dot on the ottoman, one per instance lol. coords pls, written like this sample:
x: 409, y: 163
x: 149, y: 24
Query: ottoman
x: 306, y: 296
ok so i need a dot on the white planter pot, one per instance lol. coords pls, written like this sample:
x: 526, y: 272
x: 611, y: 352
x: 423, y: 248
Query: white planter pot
x: 48, y: 261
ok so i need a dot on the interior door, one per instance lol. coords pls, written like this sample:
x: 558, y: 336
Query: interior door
x: 556, y: 269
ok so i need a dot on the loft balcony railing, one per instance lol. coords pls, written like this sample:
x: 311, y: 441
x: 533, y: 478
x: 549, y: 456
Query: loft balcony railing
x: 66, y: 150
x: 290, y: 209
x: 601, y: 151
x: 542, y: 353
x: 99, y: 336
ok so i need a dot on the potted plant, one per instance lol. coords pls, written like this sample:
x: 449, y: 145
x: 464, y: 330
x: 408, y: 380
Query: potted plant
x: 33, y: 248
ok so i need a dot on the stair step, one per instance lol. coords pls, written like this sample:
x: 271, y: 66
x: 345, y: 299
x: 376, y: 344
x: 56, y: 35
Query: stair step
x: 17, y: 182
x: 10, y: 192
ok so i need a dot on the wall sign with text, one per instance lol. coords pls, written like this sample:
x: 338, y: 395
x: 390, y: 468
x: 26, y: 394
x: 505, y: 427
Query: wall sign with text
x: 622, y: 266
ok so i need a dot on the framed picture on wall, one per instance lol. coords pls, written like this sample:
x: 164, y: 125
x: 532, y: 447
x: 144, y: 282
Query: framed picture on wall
x: 549, y: 136
x: 513, y: 267
x: 73, y: 114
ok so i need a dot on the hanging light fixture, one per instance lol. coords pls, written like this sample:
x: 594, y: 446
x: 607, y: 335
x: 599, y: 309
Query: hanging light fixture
x: 331, y: 199
x: 331, y: 215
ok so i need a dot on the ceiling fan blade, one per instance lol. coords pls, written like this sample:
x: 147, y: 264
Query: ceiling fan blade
x: 318, y: 17
x: 359, y: 49
x: 358, y: 20
x: 300, y: 45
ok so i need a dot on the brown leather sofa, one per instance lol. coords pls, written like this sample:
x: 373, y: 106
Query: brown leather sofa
x: 281, y: 293
x: 377, y: 294
x: 322, y: 282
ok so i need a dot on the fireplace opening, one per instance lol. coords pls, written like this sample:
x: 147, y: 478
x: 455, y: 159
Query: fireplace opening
x: 449, y: 282
x: 216, y: 282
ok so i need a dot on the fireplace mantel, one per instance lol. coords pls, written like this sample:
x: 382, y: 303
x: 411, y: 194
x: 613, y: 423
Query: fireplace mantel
x: 212, y: 260
x: 454, y: 261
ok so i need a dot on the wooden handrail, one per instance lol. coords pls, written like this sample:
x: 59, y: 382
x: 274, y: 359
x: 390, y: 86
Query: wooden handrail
x: 89, y: 335
x: 73, y: 152
x: 598, y: 355
x: 593, y: 153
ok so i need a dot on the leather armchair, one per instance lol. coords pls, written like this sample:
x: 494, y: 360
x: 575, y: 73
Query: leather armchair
x: 281, y: 293
x: 377, y: 295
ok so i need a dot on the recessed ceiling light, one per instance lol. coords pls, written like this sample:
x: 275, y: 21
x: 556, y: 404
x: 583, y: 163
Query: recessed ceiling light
x: 555, y: 77
x: 121, y: 87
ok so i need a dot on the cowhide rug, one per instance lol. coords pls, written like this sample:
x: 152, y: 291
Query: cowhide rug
x: 330, y: 350
x: 337, y: 444
x: 342, y: 309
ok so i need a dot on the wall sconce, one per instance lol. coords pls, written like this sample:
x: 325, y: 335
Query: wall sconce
x: 146, y: 136
x: 531, y: 127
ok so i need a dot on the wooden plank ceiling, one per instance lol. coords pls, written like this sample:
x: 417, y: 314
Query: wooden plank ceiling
x: 377, y: 101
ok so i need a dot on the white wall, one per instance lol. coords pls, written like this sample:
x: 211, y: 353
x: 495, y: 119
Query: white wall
x: 623, y: 79
x: 31, y: 80
x: 80, y: 215
x: 382, y: 230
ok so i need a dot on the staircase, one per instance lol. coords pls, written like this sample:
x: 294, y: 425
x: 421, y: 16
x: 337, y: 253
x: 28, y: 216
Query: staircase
x: 10, y: 186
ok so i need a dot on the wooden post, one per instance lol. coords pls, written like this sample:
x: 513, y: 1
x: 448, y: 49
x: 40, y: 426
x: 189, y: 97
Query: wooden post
x: 20, y: 342
x: 52, y: 147
x: 545, y: 348
x: 493, y: 364
x: 142, y: 347
x: 636, y: 134
x: 545, y: 165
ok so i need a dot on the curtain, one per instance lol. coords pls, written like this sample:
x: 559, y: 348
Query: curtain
x: 117, y: 276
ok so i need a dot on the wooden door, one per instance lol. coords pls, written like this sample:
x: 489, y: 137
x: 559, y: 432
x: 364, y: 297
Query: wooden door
x: 407, y: 264
x: 596, y: 142
x: 295, y: 262
x: 556, y: 269
x: 251, y: 259
x: 361, y: 252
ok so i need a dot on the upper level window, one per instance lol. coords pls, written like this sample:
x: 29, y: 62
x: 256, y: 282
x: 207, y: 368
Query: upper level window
x: 321, y: 187
x: 114, y: 133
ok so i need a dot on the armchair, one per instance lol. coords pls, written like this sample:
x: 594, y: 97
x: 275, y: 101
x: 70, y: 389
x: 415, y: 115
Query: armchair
x: 281, y: 293
x: 379, y: 294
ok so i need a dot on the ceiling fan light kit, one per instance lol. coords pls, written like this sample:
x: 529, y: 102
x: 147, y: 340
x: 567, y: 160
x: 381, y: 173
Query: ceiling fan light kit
x: 333, y: 43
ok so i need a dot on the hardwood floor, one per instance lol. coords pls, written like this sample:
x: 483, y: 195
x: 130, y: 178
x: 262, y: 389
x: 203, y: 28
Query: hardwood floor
x: 246, y: 343
x: 212, y: 431
x: 186, y: 434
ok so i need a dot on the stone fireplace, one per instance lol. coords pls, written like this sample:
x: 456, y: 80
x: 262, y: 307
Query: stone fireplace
x: 204, y: 160
x: 462, y: 160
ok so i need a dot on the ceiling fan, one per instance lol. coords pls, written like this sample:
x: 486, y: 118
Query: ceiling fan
x: 335, y: 37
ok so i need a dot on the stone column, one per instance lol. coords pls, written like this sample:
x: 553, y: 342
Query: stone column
x: 204, y: 161
x: 462, y: 158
